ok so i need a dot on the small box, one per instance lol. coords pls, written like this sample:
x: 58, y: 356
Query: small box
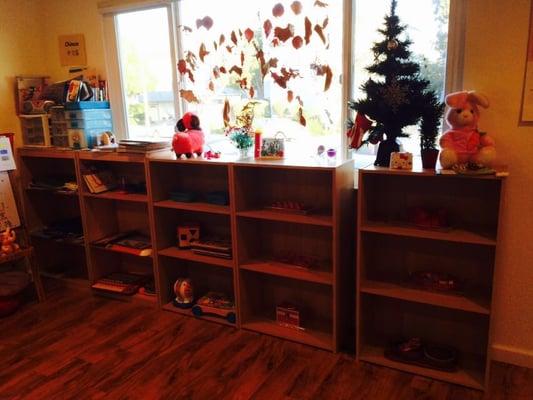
x: 288, y: 315
x: 187, y: 233
x: 399, y: 160
x: 35, y: 130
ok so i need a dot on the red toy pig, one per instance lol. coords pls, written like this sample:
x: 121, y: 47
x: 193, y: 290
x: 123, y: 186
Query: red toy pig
x: 189, y: 138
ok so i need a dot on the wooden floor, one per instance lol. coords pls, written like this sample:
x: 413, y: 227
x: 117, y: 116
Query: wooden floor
x: 75, y: 346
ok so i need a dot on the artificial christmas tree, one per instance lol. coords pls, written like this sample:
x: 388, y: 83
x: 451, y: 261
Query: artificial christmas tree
x: 396, y: 95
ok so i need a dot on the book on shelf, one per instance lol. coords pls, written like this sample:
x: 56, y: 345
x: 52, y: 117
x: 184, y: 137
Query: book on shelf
x: 99, y: 182
x: 127, y: 242
x: 213, y: 247
x: 120, y: 283
x: 141, y: 146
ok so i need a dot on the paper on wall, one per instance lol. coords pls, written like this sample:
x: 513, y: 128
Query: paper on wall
x: 9, y: 216
x: 7, y: 162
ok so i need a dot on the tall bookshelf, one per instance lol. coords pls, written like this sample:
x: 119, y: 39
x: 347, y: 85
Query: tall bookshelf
x: 389, y: 248
x: 113, y: 212
x: 62, y: 260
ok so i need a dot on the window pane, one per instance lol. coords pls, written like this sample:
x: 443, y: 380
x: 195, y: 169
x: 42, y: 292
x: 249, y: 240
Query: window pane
x: 321, y: 109
x: 427, y: 27
x: 146, y: 69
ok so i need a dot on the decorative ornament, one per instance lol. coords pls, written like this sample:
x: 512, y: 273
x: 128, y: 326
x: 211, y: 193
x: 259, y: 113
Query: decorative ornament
x: 392, y: 44
x: 356, y: 132
x: 394, y: 95
x: 183, y: 290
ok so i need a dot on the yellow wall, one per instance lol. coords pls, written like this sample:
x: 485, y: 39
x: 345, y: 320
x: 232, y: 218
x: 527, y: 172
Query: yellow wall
x: 21, y: 53
x: 495, y: 51
x: 496, y: 41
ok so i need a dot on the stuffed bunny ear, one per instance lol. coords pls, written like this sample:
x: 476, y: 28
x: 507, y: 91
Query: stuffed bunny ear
x: 457, y: 99
x: 478, y: 98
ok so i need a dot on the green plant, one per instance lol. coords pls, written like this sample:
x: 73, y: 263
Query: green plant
x: 241, y: 138
x: 431, y: 120
x: 241, y: 135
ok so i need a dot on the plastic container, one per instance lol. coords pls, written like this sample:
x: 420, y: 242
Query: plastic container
x: 106, y: 124
x: 86, y: 105
x: 88, y: 114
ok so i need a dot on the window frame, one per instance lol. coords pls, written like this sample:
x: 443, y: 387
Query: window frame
x: 454, y: 60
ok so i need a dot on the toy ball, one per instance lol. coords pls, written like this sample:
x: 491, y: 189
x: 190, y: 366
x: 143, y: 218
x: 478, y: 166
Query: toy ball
x: 184, y: 293
x: 189, y: 137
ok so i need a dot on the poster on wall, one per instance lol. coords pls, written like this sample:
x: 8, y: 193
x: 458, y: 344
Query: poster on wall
x: 72, y: 50
x: 527, y: 95
x: 9, y: 217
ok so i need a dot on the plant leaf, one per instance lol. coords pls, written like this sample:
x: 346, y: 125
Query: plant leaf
x: 236, y: 69
x: 284, y: 34
x: 308, y: 30
x: 225, y: 113
x: 301, y: 117
x: 202, y: 52
x: 189, y: 96
x: 267, y: 27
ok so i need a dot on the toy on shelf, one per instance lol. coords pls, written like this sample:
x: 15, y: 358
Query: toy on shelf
x: 214, y: 247
x: 189, y: 137
x: 212, y: 154
x: 437, y: 281
x: 287, y: 315
x: 290, y: 207
x: 416, y: 352
x: 427, y: 218
x: 399, y: 160
x: 188, y: 233
x: 8, y: 244
x: 464, y: 143
x: 183, y: 290
x: 216, y: 305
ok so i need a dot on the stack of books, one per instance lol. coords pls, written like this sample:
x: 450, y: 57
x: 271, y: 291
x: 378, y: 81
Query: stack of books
x: 213, y: 247
x: 127, y: 242
x: 99, y: 182
x: 141, y: 146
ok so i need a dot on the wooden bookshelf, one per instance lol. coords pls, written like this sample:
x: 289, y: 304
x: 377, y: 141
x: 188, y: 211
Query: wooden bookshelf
x: 390, y: 308
x: 60, y: 260
x: 181, y: 254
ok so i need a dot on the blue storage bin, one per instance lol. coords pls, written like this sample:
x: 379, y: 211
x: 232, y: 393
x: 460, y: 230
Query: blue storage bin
x: 88, y: 114
x: 90, y: 123
x: 86, y: 105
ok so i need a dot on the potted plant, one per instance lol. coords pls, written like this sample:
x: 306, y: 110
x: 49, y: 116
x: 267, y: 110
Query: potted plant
x: 429, y: 131
x: 242, y: 135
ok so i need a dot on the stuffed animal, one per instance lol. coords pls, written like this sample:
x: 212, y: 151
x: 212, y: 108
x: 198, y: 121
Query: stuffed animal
x: 8, y: 245
x: 189, y: 138
x: 463, y: 143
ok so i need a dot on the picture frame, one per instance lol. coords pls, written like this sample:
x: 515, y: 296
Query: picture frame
x: 273, y: 148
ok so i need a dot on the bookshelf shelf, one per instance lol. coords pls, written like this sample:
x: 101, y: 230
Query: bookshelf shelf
x: 322, y: 220
x: 195, y: 206
x: 288, y: 271
x: 187, y: 312
x: 175, y: 252
x: 138, y: 198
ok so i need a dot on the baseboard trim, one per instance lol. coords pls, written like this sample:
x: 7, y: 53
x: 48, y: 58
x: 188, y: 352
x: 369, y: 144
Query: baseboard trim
x: 512, y: 355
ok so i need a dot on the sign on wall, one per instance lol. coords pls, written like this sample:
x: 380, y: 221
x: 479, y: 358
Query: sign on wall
x: 72, y: 50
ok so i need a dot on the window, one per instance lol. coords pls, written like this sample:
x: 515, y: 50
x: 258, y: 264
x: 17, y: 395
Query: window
x: 146, y: 71
x: 151, y: 42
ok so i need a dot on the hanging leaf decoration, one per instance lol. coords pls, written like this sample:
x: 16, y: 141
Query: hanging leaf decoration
x: 284, y: 34
x: 251, y: 92
x: 216, y: 72
x: 299, y: 99
x: 320, y: 32
x: 297, y: 42
x: 308, y: 30
x: 243, y: 83
x: 323, y: 70
x: 236, y: 69
x: 267, y: 27
x: 242, y: 58
x: 185, y: 28
x: 215, y: 45
x: 240, y: 33
x: 229, y: 48
x: 211, y: 86
x: 301, y: 117
x: 278, y: 10
x: 206, y: 22
x: 296, y: 7
x: 273, y: 63
x: 221, y: 40
x: 286, y: 75
x: 325, y: 23
x: 190, y: 57
x: 290, y: 96
x: 248, y: 34
x: 225, y: 113
x: 282, y: 82
x: 189, y: 96
x: 202, y: 52
x: 222, y: 70
x: 275, y: 42
x: 182, y: 66
x: 234, y: 38
x: 319, y: 3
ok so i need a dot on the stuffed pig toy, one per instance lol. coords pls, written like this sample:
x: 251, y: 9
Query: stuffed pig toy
x: 463, y: 143
x: 189, y: 138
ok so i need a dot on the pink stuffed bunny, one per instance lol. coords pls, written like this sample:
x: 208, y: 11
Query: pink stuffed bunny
x: 463, y: 143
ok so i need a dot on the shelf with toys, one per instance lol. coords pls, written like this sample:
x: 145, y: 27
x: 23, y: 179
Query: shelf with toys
x: 425, y: 269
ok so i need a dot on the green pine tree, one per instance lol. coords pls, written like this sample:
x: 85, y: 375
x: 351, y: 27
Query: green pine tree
x: 396, y: 95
